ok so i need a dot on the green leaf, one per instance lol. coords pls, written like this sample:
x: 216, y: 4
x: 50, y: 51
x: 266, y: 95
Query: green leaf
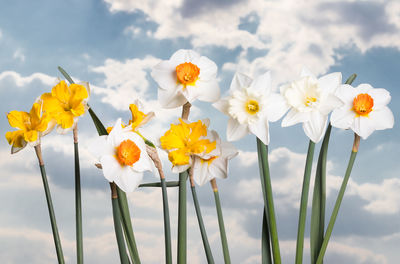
x: 158, y: 184
x: 118, y: 231
x: 167, y: 226
x: 78, y: 206
x: 182, y: 218
x: 265, y: 241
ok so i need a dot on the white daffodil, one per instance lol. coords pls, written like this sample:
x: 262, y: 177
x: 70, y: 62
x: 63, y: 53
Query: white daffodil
x: 251, y: 104
x: 310, y: 101
x: 205, y: 170
x: 123, y: 157
x: 364, y: 109
x: 185, y: 77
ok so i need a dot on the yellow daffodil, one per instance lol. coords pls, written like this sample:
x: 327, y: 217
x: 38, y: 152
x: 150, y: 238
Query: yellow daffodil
x: 184, y: 140
x: 31, y: 127
x: 66, y: 103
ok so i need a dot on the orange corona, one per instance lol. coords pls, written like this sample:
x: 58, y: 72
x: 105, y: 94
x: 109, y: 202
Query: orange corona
x: 127, y: 153
x: 362, y: 104
x: 187, y: 73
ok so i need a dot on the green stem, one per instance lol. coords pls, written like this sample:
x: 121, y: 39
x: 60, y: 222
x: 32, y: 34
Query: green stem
x: 224, y: 240
x: 182, y: 218
x: 167, y: 226
x: 127, y: 225
x: 338, y: 201
x: 78, y: 203
x: 317, y: 227
x: 56, y: 236
x: 303, y: 203
x: 117, y: 226
x: 268, y: 199
x: 265, y: 241
x: 203, y: 232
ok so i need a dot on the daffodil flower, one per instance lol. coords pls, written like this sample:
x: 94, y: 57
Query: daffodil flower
x: 123, y: 157
x: 311, y: 100
x: 364, y: 109
x: 185, y: 140
x: 185, y: 77
x: 139, y: 118
x: 204, y: 170
x: 66, y: 103
x: 251, y: 104
x: 31, y: 126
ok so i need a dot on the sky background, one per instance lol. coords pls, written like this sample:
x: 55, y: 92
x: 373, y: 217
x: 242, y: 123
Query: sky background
x: 113, y: 44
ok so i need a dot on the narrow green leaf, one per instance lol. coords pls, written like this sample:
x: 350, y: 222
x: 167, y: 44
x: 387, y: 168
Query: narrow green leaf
x: 78, y: 206
x: 158, y: 184
x: 317, y: 227
x: 224, y: 241
x: 118, y: 231
x: 56, y: 236
x: 167, y: 226
x: 182, y: 218
x: 127, y: 225
x: 203, y: 232
x: 336, y: 207
x: 265, y: 241
x: 66, y: 75
x: 303, y: 203
x: 268, y: 199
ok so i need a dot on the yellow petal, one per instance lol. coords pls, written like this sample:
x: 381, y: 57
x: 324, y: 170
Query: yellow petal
x: 178, y: 157
x: 43, y: 123
x: 61, y: 92
x: 137, y: 116
x: 35, y: 115
x: 15, y: 138
x: 78, y: 110
x: 18, y: 119
x: 31, y: 136
x: 65, y: 120
x: 51, y: 104
x: 78, y: 94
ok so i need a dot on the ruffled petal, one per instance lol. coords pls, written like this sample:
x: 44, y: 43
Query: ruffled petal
x: 31, y: 136
x: 61, y: 92
x: 235, y: 130
x: 18, y: 119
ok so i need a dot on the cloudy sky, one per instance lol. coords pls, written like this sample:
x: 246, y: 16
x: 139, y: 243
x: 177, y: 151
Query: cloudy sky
x: 113, y: 44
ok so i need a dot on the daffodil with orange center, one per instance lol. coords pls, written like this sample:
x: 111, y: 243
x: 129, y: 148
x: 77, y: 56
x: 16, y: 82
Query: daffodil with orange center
x: 66, y: 103
x: 183, y: 141
x: 123, y: 157
x: 364, y: 109
x: 186, y: 77
x: 31, y: 126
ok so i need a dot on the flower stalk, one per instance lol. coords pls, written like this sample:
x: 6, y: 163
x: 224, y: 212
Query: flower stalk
x: 268, y: 199
x: 56, y: 236
x: 203, y: 232
x: 339, y: 199
x: 78, y: 202
x: 303, y: 203
x: 224, y: 241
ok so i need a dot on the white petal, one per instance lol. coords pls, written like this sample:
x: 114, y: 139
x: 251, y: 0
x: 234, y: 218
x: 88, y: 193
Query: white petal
x: 222, y: 105
x: 240, y: 81
x: 218, y: 168
x: 200, y: 171
x: 100, y: 147
x: 342, y: 118
x: 275, y: 107
x: 363, y: 126
x: 364, y: 88
x: 293, y: 117
x: 346, y: 93
x: 111, y: 167
x: 228, y: 150
x: 191, y: 93
x: 209, y: 90
x: 235, y: 130
x: 260, y: 129
x: 315, y: 128
x: 330, y: 82
x: 306, y: 72
x: 179, y: 169
x: 382, y: 118
x: 164, y: 74
x: 381, y: 97
x: 329, y: 103
x: 208, y: 68
x: 183, y: 55
x: 263, y: 83
x: 170, y: 99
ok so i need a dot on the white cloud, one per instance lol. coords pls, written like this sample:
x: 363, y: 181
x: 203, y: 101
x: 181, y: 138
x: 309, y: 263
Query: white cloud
x: 19, y: 55
x: 21, y: 81
x: 248, y: 158
x: 292, y: 34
